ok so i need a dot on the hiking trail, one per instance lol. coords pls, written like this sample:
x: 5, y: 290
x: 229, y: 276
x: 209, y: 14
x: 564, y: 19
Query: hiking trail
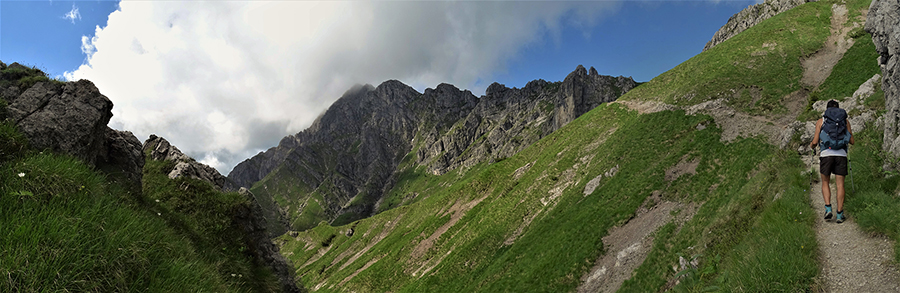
x: 851, y: 260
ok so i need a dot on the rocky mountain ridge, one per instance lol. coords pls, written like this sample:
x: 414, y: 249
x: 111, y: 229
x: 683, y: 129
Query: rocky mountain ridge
x: 350, y: 155
x: 159, y: 148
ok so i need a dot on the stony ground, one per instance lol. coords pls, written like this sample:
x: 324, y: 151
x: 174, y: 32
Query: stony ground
x: 852, y: 261
x: 628, y: 245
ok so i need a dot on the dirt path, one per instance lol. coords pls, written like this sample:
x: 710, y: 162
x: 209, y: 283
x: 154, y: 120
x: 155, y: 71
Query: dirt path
x: 852, y: 261
x: 818, y: 66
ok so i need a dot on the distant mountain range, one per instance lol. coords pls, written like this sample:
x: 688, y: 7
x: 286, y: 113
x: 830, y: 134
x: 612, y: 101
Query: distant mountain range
x: 339, y: 169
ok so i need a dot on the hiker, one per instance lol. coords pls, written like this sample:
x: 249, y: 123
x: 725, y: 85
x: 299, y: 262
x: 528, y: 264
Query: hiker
x: 833, y: 135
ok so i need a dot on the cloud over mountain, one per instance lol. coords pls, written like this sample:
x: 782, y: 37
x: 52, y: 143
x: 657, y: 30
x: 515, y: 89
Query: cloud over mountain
x: 223, y: 80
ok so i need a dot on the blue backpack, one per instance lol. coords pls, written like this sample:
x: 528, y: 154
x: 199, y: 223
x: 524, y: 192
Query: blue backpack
x: 834, y: 134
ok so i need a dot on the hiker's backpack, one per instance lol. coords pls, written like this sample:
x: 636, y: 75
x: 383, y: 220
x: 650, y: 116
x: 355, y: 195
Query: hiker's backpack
x: 834, y: 134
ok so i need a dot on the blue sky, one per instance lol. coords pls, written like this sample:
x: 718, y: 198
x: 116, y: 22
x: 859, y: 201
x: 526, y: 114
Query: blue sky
x: 223, y: 80
x: 39, y: 34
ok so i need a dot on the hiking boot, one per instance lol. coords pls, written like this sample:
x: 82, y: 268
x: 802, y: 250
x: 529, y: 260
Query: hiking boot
x: 840, y: 218
x: 828, y: 215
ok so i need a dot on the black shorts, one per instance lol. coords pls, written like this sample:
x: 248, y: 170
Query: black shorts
x: 836, y: 165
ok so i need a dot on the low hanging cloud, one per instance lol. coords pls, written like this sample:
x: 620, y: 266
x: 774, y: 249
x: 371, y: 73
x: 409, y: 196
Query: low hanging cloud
x: 223, y: 80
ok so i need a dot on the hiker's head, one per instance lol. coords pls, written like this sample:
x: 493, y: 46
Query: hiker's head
x: 832, y: 104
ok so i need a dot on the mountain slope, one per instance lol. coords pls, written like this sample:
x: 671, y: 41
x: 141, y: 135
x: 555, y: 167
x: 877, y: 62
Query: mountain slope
x: 75, y: 216
x: 339, y: 169
x: 740, y: 217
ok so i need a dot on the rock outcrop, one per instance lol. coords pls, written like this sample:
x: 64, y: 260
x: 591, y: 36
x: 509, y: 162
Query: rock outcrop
x: 160, y: 149
x: 71, y: 118
x: 505, y: 120
x: 352, y: 154
x: 749, y: 17
x: 883, y: 22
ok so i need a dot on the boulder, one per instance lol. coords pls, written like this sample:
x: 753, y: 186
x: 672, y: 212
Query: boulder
x: 71, y: 118
x: 159, y: 148
x: 122, y: 156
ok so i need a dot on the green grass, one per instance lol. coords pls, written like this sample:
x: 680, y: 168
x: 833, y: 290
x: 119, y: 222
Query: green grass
x: 778, y: 253
x: 67, y: 227
x: 858, y: 65
x: 207, y: 218
x: 753, y: 230
x: 473, y: 254
x: 742, y: 63
x: 874, y: 204
x: 23, y: 78
x: 12, y: 142
x: 735, y: 233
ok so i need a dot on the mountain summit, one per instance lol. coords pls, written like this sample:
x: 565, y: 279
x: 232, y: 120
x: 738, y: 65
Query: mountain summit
x: 339, y: 168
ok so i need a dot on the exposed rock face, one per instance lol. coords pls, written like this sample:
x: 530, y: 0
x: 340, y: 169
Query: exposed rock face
x: 751, y: 16
x: 506, y: 121
x: 352, y: 152
x: 883, y: 22
x: 71, y: 118
x: 262, y: 249
x: 160, y: 149
x: 122, y: 155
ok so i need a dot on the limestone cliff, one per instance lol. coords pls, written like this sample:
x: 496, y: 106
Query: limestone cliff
x: 883, y: 22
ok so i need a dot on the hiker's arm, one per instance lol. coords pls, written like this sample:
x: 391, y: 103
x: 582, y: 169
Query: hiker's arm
x: 815, y: 140
x: 850, y: 131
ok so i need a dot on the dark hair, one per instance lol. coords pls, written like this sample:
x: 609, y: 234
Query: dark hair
x: 832, y: 104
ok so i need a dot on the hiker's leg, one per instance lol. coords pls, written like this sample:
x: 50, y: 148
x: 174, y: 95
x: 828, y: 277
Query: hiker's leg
x: 826, y: 189
x: 839, y: 180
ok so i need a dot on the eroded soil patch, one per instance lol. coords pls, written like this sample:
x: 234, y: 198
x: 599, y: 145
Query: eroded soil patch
x: 628, y: 245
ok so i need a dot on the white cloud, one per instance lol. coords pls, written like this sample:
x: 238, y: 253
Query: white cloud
x: 72, y: 14
x: 223, y: 80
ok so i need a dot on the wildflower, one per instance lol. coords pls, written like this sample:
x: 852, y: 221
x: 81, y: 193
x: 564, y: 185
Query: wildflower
x: 158, y: 214
x: 21, y: 175
x: 157, y: 200
x: 233, y: 275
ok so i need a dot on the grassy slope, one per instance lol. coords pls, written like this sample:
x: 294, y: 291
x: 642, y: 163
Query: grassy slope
x: 753, y: 231
x: 765, y: 57
x: 67, y: 227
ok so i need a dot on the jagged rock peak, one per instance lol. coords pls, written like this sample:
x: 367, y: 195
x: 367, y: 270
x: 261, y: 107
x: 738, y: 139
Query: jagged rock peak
x: 160, y: 149
x: 443, y: 88
x: 495, y: 88
x: 358, y: 89
x: 580, y: 71
x: 751, y: 16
